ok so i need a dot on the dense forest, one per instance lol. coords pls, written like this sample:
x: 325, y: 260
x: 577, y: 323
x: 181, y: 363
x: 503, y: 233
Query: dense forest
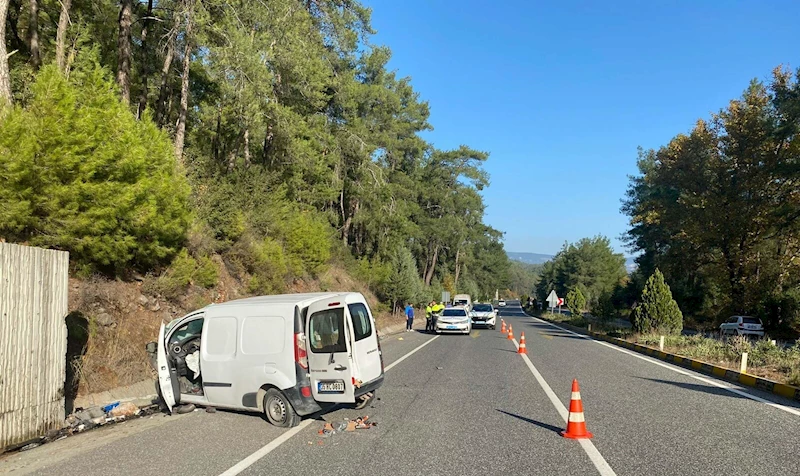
x: 717, y: 210
x: 147, y: 136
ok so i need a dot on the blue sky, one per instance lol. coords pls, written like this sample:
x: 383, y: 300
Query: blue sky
x: 562, y: 95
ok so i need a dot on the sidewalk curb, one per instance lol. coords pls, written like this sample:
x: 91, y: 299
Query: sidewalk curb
x: 784, y: 390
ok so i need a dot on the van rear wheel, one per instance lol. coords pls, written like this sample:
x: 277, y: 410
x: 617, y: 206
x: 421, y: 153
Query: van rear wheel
x: 278, y: 410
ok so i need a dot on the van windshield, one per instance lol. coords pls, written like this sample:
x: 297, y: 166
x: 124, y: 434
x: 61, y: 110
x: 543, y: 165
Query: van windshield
x: 327, y: 331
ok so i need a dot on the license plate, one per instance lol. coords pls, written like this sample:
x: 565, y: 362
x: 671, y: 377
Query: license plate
x: 452, y: 327
x: 336, y: 386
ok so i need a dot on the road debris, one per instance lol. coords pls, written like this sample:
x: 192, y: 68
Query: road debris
x: 362, y: 423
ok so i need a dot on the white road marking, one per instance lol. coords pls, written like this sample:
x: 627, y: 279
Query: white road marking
x: 737, y: 390
x: 247, y: 462
x: 267, y: 449
x: 591, y: 451
x: 410, y: 353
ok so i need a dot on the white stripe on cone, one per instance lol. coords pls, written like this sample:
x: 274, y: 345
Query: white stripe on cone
x: 576, y: 395
x: 576, y: 417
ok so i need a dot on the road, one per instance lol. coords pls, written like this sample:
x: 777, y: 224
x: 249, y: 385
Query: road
x: 470, y: 405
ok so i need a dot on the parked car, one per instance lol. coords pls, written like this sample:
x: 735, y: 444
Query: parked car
x: 742, y: 325
x: 501, y: 303
x: 483, y: 315
x: 286, y: 356
x: 454, y: 319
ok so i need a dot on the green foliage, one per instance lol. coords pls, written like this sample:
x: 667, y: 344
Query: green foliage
x: 308, y: 241
x: 656, y: 310
x: 576, y: 302
x: 590, y: 264
x: 715, y: 211
x: 83, y: 175
x: 183, y: 271
x: 403, y: 285
x: 298, y: 133
x: 604, y: 309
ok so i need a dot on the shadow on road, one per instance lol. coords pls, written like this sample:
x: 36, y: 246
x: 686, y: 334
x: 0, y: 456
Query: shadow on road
x: 712, y: 390
x: 507, y: 350
x: 533, y: 422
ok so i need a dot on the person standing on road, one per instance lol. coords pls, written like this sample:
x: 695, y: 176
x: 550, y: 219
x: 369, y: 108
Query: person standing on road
x: 429, y: 316
x: 409, y: 317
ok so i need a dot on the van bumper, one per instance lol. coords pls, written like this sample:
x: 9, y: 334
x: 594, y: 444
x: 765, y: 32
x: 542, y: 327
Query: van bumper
x: 370, y: 386
x: 302, y: 405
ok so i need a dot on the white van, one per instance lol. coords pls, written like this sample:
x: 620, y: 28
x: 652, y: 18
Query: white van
x: 463, y: 300
x: 287, y: 356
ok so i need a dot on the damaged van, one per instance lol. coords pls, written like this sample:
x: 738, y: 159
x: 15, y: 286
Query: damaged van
x: 286, y: 356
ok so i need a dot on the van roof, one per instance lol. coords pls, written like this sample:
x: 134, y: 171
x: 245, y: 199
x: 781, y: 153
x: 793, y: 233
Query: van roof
x: 292, y: 299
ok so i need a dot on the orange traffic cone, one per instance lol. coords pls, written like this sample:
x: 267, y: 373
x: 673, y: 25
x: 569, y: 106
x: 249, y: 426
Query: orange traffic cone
x: 503, y: 327
x: 510, y: 332
x: 522, y: 349
x: 576, y: 425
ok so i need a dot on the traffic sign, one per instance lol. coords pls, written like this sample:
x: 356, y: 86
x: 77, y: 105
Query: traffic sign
x: 560, y: 301
x: 553, y: 298
x: 445, y: 296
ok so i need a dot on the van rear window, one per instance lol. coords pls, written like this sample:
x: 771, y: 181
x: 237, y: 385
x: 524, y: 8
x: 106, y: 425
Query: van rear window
x: 327, y: 331
x: 361, y: 321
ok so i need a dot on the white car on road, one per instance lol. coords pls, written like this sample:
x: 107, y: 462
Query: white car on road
x: 743, y: 326
x: 454, y: 319
x: 483, y: 315
x: 501, y: 303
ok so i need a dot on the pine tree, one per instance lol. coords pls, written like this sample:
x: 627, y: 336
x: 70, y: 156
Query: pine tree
x: 576, y: 301
x: 403, y: 285
x: 657, y: 311
x: 82, y: 174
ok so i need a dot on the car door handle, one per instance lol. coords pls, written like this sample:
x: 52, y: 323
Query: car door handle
x: 340, y: 367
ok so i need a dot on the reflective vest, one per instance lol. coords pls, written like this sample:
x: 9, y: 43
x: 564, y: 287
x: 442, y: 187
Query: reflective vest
x: 428, y: 311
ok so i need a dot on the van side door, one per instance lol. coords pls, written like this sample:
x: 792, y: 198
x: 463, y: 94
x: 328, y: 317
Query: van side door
x: 330, y: 365
x: 366, y: 353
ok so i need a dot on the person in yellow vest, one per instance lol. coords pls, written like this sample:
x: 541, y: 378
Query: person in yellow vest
x: 436, y: 311
x: 429, y: 316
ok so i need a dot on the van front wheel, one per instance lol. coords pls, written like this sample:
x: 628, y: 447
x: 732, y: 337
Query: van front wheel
x: 278, y: 410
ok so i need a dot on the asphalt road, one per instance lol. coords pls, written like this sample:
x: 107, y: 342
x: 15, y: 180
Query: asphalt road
x: 469, y: 405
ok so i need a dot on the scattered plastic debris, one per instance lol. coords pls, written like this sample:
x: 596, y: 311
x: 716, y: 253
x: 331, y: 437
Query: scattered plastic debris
x: 110, y: 406
x: 362, y: 423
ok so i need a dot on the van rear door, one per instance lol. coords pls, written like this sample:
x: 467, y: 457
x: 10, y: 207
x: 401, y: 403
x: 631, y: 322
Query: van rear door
x: 366, y: 352
x: 330, y: 365
x: 164, y: 376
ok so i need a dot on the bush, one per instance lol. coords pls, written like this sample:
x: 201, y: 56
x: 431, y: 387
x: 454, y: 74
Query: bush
x: 657, y: 311
x: 264, y: 260
x: 183, y: 271
x: 605, y: 307
x: 308, y: 241
x: 81, y: 174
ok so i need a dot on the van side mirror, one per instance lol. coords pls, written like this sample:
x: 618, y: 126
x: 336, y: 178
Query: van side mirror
x: 151, y: 347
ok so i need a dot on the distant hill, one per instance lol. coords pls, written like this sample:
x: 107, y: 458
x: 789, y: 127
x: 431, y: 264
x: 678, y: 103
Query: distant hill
x: 529, y: 258
x: 539, y: 258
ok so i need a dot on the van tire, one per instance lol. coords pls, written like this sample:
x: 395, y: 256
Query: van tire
x: 278, y: 410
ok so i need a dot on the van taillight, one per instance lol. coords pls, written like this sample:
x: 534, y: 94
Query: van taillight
x: 300, y: 354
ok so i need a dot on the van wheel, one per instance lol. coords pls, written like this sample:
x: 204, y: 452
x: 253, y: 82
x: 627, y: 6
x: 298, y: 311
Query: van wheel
x: 279, y: 411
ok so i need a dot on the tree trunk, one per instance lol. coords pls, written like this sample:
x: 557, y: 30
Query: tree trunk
x: 14, y: 14
x: 61, y: 33
x: 33, y: 35
x: 124, y: 50
x: 5, y: 81
x: 432, y: 267
x: 144, y: 62
x: 458, y: 267
x: 163, y: 93
x: 180, y: 129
